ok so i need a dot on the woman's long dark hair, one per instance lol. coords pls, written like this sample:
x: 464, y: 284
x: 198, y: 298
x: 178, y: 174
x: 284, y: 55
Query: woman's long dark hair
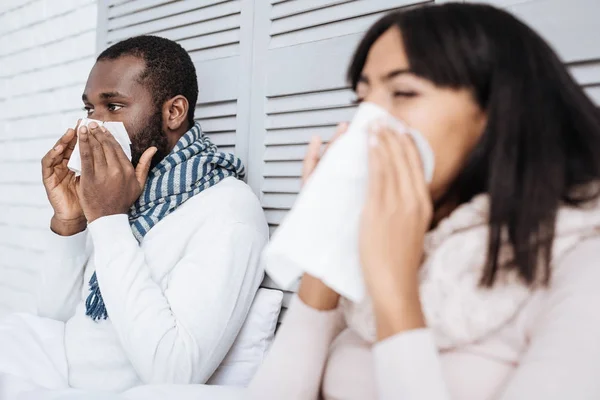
x: 541, y: 144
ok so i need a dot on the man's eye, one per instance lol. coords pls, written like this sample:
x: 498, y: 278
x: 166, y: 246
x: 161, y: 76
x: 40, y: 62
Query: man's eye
x: 114, y: 107
x: 88, y: 110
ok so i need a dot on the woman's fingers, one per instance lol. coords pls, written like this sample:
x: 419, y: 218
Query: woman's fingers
x: 312, y: 157
x: 339, y: 131
x: 377, y: 174
x: 401, y: 165
x: 415, y: 167
x: 313, y: 154
x: 387, y: 164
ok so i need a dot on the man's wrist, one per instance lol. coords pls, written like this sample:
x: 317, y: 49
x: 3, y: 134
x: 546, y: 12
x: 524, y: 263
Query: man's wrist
x: 68, y: 227
x: 93, y: 215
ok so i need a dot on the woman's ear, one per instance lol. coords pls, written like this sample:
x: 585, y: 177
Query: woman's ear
x: 175, y: 112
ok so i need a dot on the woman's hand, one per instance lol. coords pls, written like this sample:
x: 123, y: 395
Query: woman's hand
x: 312, y: 291
x: 396, y: 216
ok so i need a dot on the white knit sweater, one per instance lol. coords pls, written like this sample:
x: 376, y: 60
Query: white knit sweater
x: 175, y: 302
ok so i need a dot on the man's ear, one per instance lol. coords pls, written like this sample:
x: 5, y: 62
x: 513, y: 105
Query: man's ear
x: 175, y: 111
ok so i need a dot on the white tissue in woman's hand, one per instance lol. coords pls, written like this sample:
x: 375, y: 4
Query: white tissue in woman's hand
x: 320, y: 234
x: 118, y: 131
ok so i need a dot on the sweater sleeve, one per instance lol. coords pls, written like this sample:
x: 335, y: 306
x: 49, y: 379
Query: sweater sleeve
x: 180, y: 333
x: 294, y: 366
x: 563, y: 358
x: 562, y: 361
x: 407, y: 366
x: 61, y: 278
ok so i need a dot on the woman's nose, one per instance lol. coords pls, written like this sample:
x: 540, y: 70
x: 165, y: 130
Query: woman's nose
x: 380, y: 98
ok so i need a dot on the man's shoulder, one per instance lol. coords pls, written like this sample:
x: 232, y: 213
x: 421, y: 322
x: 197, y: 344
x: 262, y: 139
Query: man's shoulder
x: 230, y: 201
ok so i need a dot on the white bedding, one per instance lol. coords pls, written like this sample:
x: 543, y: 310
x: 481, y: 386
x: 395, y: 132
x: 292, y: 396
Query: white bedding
x: 33, y: 365
x: 15, y: 388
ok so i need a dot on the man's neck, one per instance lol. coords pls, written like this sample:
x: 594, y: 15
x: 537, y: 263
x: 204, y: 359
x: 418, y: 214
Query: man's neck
x: 174, y: 136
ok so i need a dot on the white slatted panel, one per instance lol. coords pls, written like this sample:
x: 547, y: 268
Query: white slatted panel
x: 299, y: 88
x: 46, y: 52
x: 572, y: 29
x: 211, y: 31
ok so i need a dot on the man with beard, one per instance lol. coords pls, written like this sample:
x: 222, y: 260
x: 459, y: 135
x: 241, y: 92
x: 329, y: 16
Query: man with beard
x: 154, y: 263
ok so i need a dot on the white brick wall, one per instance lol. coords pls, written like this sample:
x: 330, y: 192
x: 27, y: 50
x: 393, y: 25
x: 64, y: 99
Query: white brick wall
x: 47, y: 49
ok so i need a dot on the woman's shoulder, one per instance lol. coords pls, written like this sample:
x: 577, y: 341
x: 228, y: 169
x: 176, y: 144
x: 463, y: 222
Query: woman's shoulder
x: 573, y: 290
x: 579, y: 267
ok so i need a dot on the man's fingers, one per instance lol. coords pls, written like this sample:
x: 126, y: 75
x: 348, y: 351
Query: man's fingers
x: 69, y: 148
x: 143, y: 167
x: 110, y: 146
x: 85, y: 152
x: 56, y: 154
x: 96, y: 147
x: 72, y: 143
x: 49, y: 161
x: 118, y: 150
x: 66, y: 138
x: 312, y: 157
x: 64, y: 141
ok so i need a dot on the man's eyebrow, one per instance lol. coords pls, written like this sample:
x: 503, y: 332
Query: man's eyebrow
x: 110, y: 95
x: 104, y: 96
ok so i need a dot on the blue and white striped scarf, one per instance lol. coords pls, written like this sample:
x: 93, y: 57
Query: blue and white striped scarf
x: 191, y: 167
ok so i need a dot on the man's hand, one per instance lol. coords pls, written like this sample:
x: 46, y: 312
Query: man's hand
x: 61, y: 187
x: 109, y: 183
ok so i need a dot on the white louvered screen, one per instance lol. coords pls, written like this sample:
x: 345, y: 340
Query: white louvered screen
x: 272, y: 72
x: 214, y: 32
x: 572, y: 29
x: 46, y: 52
x: 299, y: 88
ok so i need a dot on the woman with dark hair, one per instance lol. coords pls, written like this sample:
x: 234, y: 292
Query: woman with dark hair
x: 484, y: 283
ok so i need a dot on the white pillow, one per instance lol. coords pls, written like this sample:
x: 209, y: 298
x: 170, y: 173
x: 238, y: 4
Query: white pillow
x: 253, y: 341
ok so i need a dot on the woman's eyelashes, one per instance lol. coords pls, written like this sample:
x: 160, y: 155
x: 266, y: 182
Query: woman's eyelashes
x: 397, y: 94
x: 404, y: 93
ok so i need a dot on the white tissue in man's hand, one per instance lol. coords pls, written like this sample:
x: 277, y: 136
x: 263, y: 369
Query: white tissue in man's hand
x: 118, y: 131
x: 320, y: 234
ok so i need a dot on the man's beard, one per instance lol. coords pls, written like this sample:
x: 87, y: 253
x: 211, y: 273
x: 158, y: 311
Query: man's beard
x: 150, y: 135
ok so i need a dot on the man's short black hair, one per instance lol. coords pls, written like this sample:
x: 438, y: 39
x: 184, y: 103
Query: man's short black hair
x: 169, y: 69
